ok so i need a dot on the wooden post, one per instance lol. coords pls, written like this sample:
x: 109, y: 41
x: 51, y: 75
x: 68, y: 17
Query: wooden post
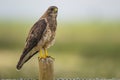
x: 46, y: 68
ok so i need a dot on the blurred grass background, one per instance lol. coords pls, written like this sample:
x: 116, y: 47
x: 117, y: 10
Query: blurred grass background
x: 82, y: 49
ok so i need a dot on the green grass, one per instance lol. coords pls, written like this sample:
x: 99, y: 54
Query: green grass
x: 90, y: 49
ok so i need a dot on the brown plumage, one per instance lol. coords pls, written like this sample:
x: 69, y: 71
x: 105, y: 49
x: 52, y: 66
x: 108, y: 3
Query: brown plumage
x: 41, y: 35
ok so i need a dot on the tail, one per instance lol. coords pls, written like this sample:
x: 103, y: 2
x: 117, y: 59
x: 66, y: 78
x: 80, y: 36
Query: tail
x: 24, y: 59
x: 19, y: 65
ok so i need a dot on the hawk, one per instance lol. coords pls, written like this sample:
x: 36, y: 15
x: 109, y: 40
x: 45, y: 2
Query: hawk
x: 40, y: 37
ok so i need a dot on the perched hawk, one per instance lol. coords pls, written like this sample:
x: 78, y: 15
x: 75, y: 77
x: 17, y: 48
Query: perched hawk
x: 41, y: 36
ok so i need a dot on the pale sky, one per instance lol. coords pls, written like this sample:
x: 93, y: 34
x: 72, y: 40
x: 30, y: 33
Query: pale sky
x: 67, y: 8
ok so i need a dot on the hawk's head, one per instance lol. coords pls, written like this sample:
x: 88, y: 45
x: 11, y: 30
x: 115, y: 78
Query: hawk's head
x: 51, y: 11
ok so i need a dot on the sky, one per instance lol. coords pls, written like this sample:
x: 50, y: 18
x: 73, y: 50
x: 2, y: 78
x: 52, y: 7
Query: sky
x: 67, y: 8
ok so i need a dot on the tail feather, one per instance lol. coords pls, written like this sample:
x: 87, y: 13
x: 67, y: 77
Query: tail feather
x: 24, y: 59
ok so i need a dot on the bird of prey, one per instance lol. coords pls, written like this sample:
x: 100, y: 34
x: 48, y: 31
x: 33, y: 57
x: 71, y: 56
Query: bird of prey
x: 40, y: 37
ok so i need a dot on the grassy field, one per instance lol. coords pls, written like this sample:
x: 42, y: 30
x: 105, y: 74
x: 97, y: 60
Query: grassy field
x: 90, y: 49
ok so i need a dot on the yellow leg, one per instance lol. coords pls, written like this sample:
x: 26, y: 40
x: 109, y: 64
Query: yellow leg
x: 46, y: 53
x: 41, y: 54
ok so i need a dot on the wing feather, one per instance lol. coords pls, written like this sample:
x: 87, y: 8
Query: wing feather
x: 33, y: 38
x: 35, y: 35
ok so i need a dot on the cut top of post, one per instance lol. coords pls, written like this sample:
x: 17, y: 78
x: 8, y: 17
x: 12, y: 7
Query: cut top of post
x: 46, y: 68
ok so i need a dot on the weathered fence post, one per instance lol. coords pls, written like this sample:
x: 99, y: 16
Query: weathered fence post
x: 46, y: 68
